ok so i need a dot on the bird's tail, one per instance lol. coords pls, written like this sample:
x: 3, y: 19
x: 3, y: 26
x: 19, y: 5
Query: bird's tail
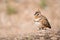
x: 50, y: 27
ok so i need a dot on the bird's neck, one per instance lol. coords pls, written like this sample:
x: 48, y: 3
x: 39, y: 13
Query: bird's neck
x: 39, y: 18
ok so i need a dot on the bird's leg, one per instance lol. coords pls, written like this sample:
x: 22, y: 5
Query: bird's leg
x: 45, y: 28
x: 40, y: 28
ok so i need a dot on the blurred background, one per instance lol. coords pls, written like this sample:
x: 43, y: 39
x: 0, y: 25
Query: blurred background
x: 16, y: 16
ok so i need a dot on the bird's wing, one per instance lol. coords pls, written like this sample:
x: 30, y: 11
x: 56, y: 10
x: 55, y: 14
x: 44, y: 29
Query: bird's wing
x: 46, y: 23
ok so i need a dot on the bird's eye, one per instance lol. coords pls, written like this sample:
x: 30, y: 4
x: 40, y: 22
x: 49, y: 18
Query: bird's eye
x: 37, y: 14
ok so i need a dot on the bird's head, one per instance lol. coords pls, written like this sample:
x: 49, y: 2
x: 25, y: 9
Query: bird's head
x: 37, y: 14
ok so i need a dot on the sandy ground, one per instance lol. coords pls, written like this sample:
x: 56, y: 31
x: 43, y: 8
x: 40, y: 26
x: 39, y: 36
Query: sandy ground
x: 22, y: 22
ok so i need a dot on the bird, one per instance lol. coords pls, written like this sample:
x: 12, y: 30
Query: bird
x: 41, y: 21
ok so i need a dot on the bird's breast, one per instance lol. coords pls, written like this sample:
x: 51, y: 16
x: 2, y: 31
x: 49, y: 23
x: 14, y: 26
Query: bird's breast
x: 38, y: 23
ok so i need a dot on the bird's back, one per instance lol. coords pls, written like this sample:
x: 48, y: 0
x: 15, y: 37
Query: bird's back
x: 44, y: 21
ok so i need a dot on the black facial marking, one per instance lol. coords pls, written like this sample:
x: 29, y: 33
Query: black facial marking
x: 36, y: 13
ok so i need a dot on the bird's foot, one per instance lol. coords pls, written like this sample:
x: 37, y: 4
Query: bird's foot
x: 42, y: 28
